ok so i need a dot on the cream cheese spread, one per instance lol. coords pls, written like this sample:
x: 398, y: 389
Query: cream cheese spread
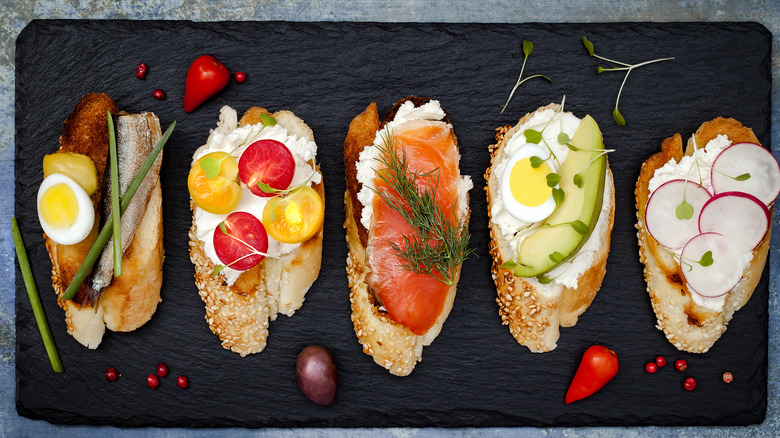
x: 227, y: 137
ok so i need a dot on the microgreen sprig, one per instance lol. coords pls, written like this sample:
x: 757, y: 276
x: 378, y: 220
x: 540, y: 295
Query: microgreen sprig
x: 619, y: 119
x: 211, y: 166
x: 706, y: 260
x: 528, y: 47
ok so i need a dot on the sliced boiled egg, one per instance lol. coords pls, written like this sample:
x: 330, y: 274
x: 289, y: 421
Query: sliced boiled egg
x: 65, y: 210
x: 524, y: 190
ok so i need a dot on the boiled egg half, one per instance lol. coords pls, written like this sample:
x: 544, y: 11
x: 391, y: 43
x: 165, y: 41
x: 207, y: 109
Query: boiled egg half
x: 524, y: 190
x: 65, y: 210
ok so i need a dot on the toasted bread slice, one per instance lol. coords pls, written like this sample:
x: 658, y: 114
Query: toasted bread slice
x: 131, y: 299
x: 534, y: 311
x: 239, y: 314
x: 391, y: 344
x: 688, y: 326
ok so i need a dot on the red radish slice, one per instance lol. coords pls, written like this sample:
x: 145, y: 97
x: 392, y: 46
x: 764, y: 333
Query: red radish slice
x: 240, y: 241
x: 740, y: 217
x: 742, y: 159
x: 719, y: 277
x: 661, y: 213
x: 269, y: 162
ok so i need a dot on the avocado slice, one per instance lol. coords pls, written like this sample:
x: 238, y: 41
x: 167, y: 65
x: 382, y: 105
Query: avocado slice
x: 558, y: 240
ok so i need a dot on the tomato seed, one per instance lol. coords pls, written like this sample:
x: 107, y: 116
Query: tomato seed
x: 183, y: 382
x: 112, y: 374
x: 728, y: 377
x: 140, y: 72
x: 159, y: 94
x: 240, y: 77
x: 651, y: 367
x: 660, y: 361
x: 162, y: 370
x: 152, y: 381
x: 689, y: 384
x: 681, y: 365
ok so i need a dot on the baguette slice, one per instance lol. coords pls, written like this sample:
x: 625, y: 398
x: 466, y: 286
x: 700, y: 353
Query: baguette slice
x: 131, y: 299
x: 391, y: 344
x: 535, y: 311
x: 688, y: 326
x: 239, y: 314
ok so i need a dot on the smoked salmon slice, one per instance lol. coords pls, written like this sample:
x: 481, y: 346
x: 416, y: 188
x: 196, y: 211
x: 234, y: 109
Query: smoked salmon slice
x: 412, y: 299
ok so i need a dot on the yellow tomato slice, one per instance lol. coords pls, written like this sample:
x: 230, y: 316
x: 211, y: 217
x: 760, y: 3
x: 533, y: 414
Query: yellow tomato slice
x: 219, y: 195
x: 294, y: 218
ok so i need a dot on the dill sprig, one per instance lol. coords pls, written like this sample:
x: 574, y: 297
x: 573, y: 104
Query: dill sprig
x: 439, y: 243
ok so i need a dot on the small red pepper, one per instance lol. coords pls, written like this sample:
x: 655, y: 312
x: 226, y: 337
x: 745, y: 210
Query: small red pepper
x: 205, y: 78
x: 599, y: 365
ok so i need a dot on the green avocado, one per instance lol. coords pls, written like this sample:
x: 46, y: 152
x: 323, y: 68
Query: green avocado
x: 573, y: 221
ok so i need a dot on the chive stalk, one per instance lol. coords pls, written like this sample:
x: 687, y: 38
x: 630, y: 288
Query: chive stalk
x: 35, y: 300
x: 107, y: 230
x: 115, y: 197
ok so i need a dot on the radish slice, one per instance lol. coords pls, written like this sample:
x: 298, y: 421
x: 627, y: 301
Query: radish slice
x: 751, y: 159
x: 661, y: 213
x: 740, y: 217
x: 721, y: 275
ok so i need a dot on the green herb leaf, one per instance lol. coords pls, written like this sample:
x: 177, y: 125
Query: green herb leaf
x: 552, y: 179
x: 543, y: 280
x: 588, y: 45
x: 600, y: 69
x: 528, y: 47
x: 578, y: 180
x: 684, y: 211
x: 580, y: 227
x: 556, y: 257
x: 618, y: 117
x: 532, y: 136
x: 563, y: 138
x: 509, y: 264
x: 743, y: 177
x: 267, y: 119
x: 536, y: 162
x: 211, y: 167
x: 558, y: 195
x: 217, y: 270
x: 706, y: 259
x: 223, y: 228
x: 266, y: 188
x: 572, y: 147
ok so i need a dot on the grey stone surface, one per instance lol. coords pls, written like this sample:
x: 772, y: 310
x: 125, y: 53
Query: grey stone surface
x: 15, y: 14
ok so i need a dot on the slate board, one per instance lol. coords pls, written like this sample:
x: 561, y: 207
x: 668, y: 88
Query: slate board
x: 474, y: 374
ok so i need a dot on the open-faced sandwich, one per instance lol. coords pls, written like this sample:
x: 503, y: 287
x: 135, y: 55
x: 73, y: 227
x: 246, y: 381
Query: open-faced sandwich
x: 407, y: 228
x: 257, y: 212
x: 551, y: 203
x: 703, y: 221
x: 75, y: 198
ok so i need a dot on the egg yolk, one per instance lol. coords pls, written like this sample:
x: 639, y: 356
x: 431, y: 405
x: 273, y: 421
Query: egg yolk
x: 59, y: 206
x: 529, y: 185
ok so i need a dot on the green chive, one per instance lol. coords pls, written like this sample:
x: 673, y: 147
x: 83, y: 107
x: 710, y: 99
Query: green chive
x: 35, y: 300
x: 105, y: 233
x: 115, y: 197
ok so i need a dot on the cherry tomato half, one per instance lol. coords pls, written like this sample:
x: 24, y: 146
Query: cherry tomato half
x: 295, y: 218
x: 269, y: 162
x: 240, y: 241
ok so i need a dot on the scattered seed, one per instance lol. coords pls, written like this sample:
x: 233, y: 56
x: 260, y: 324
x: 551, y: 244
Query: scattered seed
x: 159, y: 94
x: 152, y: 381
x: 182, y: 382
x: 240, y: 77
x: 140, y: 72
x: 689, y: 384
x: 112, y: 374
x: 728, y: 377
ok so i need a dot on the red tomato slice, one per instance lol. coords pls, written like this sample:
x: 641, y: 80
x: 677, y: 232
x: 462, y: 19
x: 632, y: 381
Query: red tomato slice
x: 245, y: 235
x: 269, y: 162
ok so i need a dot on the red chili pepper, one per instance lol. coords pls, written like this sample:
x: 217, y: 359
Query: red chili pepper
x: 599, y: 365
x: 205, y: 78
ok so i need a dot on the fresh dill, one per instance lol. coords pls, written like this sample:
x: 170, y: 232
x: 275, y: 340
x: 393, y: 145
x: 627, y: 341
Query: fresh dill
x: 439, y: 243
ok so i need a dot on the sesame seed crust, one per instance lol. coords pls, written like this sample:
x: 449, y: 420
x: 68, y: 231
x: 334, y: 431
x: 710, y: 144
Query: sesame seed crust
x: 686, y: 325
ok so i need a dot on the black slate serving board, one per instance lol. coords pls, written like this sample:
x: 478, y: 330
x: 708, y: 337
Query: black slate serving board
x: 474, y: 374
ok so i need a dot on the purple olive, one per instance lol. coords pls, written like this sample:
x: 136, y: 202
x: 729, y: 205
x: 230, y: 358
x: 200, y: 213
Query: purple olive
x: 317, y: 375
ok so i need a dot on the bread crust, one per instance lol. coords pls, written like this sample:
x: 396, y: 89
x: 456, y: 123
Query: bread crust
x: 391, y: 344
x: 686, y: 325
x: 240, y: 314
x: 131, y: 299
x: 534, y: 312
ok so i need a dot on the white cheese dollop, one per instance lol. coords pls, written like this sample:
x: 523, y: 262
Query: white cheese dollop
x: 689, y: 170
x: 369, y: 158
x: 225, y: 138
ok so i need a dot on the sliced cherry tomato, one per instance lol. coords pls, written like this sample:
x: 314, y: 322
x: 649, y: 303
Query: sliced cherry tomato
x: 599, y: 365
x: 205, y: 78
x: 268, y: 162
x: 238, y: 239
x: 295, y: 218
x: 219, y: 195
